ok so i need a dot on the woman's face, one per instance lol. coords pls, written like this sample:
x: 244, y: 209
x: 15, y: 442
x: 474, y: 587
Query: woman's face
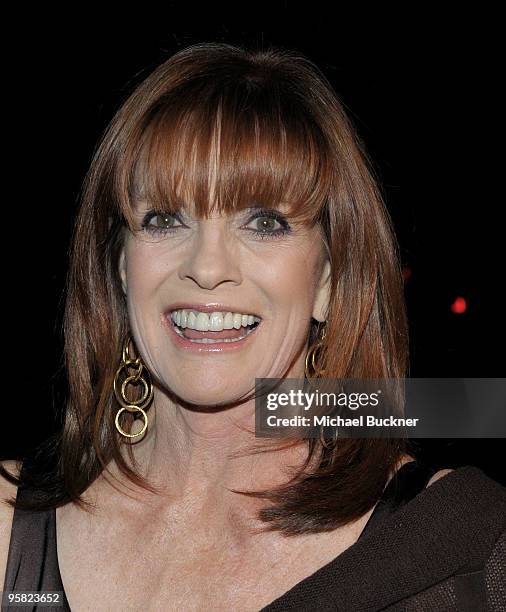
x: 282, y: 278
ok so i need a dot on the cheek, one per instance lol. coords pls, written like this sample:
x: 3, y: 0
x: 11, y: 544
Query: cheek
x: 289, y: 277
x: 145, y: 270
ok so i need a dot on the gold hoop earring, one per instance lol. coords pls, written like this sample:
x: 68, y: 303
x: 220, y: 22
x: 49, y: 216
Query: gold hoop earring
x: 312, y: 352
x: 140, y: 404
x: 310, y: 362
x: 332, y: 445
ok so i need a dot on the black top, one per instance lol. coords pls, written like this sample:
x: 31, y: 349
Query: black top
x: 347, y: 582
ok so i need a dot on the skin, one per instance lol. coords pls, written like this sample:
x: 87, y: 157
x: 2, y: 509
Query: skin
x: 285, y: 280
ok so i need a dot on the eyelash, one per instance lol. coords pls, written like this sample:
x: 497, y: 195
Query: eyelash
x: 263, y: 235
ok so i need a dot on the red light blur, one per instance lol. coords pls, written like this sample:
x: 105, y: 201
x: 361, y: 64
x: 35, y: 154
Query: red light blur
x: 459, y: 305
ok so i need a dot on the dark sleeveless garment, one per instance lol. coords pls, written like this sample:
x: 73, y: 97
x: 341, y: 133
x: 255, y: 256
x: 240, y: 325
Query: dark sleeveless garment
x: 32, y: 563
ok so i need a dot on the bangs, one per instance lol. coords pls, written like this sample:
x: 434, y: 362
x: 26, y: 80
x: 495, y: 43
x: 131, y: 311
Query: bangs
x: 217, y: 151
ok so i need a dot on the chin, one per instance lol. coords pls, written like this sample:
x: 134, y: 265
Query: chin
x: 211, y: 393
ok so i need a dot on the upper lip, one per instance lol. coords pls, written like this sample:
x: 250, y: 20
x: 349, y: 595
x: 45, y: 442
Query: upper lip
x: 210, y: 307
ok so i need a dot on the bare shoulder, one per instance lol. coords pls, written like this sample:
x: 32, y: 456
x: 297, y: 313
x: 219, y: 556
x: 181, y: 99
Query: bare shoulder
x: 438, y: 475
x: 7, y: 491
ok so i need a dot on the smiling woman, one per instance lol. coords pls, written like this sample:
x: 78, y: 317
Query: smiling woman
x: 231, y: 228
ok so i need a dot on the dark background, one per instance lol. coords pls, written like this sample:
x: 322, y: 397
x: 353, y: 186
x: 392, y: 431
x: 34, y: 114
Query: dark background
x: 422, y: 95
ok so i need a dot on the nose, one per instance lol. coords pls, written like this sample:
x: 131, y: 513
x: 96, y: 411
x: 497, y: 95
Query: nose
x: 212, y: 258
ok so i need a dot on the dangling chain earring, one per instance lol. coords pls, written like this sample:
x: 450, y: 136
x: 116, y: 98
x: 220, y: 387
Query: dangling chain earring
x: 310, y: 361
x: 312, y: 352
x: 132, y: 405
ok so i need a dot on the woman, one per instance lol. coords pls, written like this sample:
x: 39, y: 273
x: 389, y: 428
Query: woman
x: 231, y: 228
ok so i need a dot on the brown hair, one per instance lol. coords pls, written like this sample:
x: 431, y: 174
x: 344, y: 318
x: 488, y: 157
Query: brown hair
x: 265, y: 125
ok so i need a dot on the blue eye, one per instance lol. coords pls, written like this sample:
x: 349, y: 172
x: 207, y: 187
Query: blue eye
x: 265, y: 220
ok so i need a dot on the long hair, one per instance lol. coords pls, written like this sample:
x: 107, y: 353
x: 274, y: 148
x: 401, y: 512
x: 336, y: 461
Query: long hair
x: 223, y: 125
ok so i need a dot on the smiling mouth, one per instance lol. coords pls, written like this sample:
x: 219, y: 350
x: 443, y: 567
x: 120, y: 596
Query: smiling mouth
x: 212, y: 337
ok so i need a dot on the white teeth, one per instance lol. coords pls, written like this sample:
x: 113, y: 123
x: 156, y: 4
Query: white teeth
x: 191, y: 322
x: 215, y: 321
x: 211, y: 340
x: 202, y: 323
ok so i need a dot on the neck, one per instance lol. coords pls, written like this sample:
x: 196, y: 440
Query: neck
x: 195, y: 457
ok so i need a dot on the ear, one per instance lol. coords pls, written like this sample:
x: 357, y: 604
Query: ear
x: 322, y: 297
x: 122, y: 269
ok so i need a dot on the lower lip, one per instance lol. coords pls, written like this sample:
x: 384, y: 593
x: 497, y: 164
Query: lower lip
x: 207, y: 347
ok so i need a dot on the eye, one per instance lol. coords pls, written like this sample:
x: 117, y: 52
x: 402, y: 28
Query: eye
x: 264, y: 223
x: 164, y: 222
